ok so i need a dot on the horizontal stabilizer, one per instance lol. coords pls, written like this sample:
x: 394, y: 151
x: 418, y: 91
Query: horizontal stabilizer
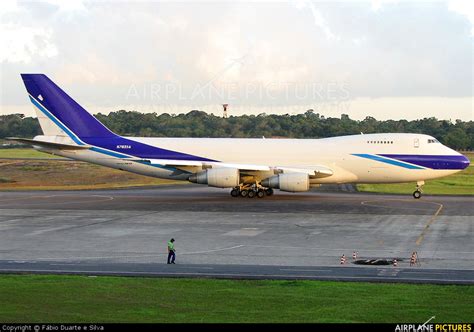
x: 49, y: 145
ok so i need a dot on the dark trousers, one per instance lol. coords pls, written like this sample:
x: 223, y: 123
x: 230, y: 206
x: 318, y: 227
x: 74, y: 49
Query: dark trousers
x: 171, y: 257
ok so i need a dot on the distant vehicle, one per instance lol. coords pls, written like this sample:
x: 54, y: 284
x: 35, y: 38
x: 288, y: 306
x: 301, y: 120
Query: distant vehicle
x: 250, y: 167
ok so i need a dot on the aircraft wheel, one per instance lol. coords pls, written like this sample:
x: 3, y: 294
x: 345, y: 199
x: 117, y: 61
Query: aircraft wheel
x: 234, y: 192
x: 260, y: 194
x: 251, y: 194
x: 244, y: 193
x: 417, y: 194
x: 269, y: 191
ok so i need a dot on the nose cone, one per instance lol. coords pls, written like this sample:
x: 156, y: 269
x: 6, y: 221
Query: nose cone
x: 464, y: 162
x: 455, y: 161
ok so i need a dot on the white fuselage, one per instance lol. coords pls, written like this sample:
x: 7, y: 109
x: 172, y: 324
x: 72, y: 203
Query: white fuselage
x: 286, y: 164
x: 340, y: 154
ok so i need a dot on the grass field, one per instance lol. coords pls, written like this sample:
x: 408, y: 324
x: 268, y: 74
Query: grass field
x: 18, y: 174
x: 461, y: 183
x: 24, y: 153
x: 72, y: 299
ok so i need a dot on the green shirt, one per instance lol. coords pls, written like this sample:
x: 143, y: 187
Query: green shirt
x: 170, y: 245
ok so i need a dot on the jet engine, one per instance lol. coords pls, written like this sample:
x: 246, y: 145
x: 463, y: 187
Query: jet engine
x: 217, y: 177
x: 288, y: 182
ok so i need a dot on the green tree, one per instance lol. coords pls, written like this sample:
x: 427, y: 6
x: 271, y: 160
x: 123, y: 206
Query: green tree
x: 457, y: 139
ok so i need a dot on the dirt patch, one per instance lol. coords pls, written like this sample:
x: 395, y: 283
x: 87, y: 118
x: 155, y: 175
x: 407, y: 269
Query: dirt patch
x: 45, y: 174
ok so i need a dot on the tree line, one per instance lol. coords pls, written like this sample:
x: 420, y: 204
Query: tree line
x: 458, y: 135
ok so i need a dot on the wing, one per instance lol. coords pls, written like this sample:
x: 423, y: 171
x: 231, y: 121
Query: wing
x: 259, y: 171
x: 190, y: 166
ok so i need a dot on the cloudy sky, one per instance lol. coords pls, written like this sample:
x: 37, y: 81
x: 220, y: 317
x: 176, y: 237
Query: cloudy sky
x: 386, y: 59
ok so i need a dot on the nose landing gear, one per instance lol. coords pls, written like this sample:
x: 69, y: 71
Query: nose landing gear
x: 419, y: 189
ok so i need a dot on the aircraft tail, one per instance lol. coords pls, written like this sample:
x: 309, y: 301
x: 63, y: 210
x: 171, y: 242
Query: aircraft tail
x: 59, y: 114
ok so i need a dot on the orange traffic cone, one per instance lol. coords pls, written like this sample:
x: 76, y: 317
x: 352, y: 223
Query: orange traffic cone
x: 395, y: 263
x: 343, y: 259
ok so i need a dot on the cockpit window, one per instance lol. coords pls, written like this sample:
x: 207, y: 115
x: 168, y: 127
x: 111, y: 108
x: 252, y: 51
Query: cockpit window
x: 432, y: 140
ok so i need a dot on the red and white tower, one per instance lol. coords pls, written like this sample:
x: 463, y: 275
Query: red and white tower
x: 225, y: 110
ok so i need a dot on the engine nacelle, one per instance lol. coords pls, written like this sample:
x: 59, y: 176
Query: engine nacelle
x: 217, y: 177
x: 288, y: 182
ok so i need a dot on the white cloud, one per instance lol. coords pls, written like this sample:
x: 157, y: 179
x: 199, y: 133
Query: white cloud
x: 464, y: 7
x: 222, y: 48
x: 24, y: 44
x: 97, y: 50
x: 68, y: 5
x: 318, y: 18
x: 377, y: 4
x: 8, y: 6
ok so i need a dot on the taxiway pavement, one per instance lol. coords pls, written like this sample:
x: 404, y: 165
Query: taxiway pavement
x: 125, y: 231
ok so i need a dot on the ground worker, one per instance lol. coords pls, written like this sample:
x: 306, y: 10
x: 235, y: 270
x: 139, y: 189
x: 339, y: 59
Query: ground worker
x: 171, y: 252
x: 413, y: 259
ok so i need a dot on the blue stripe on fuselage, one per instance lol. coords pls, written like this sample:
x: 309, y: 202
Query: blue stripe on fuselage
x: 109, y: 153
x: 121, y: 156
x: 386, y: 160
x: 412, y: 161
x: 139, y: 150
x: 432, y: 161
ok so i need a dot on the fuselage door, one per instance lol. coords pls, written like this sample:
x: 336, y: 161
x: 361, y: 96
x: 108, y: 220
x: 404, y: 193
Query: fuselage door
x: 416, y: 143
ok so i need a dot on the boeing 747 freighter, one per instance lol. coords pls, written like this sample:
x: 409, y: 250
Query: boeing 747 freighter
x: 249, y: 167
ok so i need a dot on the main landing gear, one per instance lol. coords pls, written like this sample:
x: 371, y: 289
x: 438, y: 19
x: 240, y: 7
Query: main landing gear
x: 251, y: 191
x: 419, y: 189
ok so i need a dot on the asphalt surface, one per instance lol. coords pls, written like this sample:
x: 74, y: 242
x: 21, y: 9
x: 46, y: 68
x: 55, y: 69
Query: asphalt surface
x: 343, y: 273
x: 286, y: 236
